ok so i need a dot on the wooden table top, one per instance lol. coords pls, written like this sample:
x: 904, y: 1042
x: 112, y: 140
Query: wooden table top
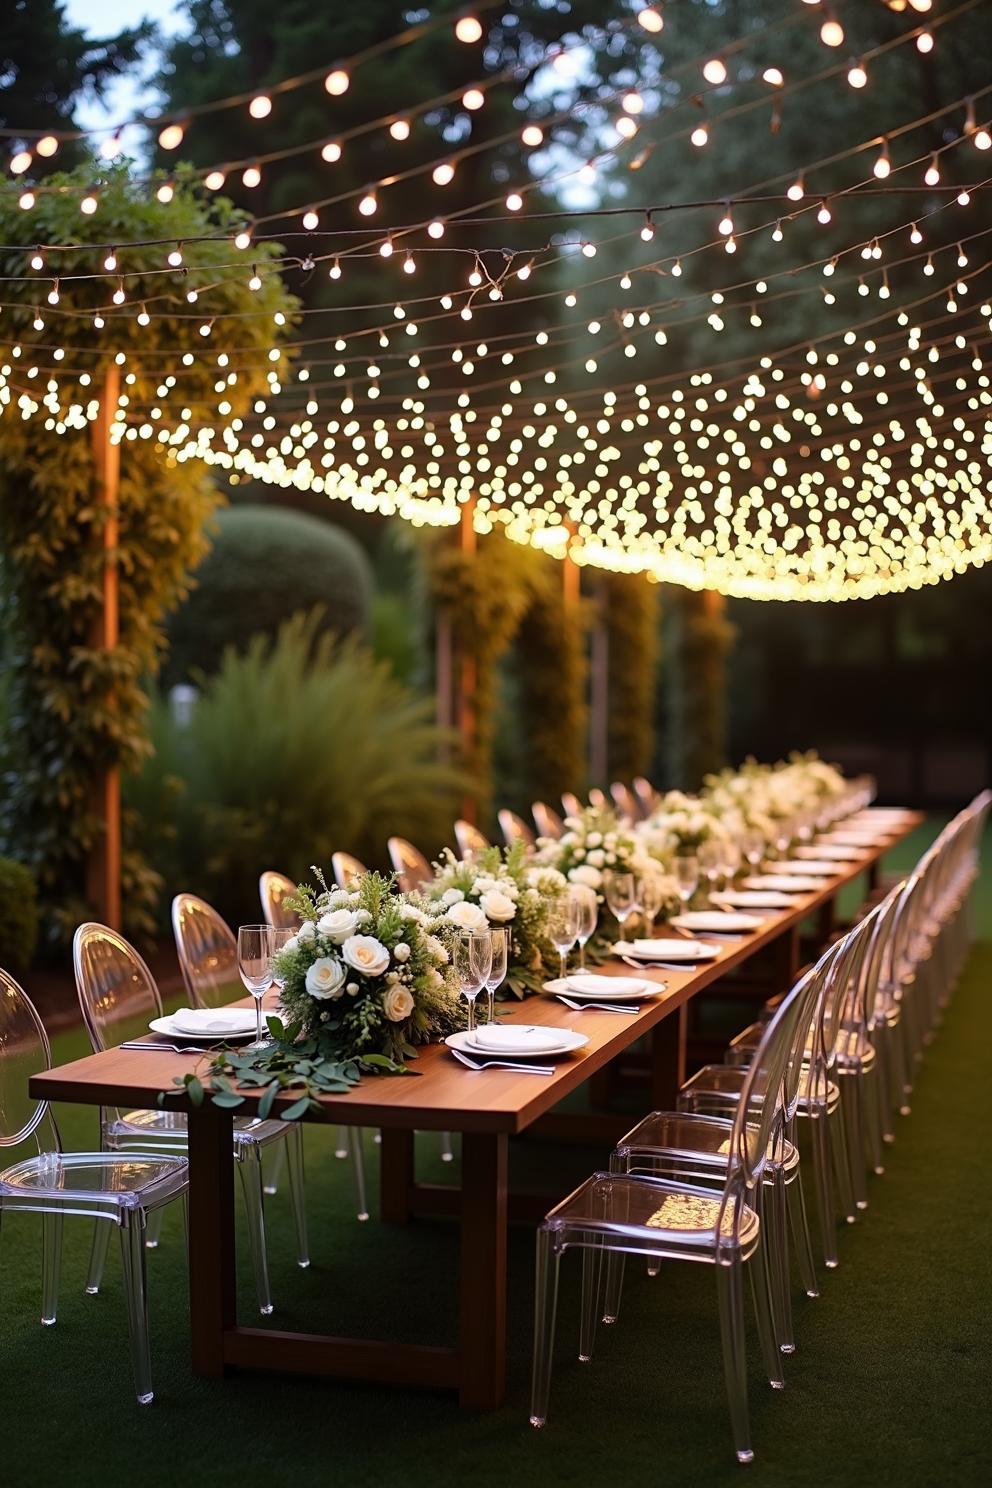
x: 444, y: 1095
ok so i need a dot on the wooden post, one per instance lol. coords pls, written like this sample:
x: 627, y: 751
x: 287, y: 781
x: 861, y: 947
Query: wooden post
x: 103, y: 873
x: 465, y: 667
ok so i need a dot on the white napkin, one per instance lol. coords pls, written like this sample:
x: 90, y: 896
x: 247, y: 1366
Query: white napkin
x: 513, y: 1038
x: 603, y: 986
x: 214, y: 1020
x: 663, y: 948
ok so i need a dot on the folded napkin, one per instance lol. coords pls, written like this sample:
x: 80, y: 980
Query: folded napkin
x: 663, y: 948
x: 514, y: 1038
x: 213, y: 1020
x: 603, y: 986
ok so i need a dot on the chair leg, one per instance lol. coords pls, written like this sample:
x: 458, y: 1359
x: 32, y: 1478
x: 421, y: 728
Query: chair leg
x: 153, y: 1229
x: 592, y: 1270
x: 358, y: 1161
x: 447, y: 1151
x: 615, y: 1262
x: 777, y: 1233
x: 824, y: 1187
x: 133, y: 1244
x: 730, y: 1293
x: 761, y: 1269
x: 297, y: 1191
x: 873, y: 1119
x: 250, y: 1172
x: 842, y: 1165
x: 274, y: 1162
x: 51, y: 1264
x: 98, y: 1256
x: 852, y: 1109
x: 343, y: 1135
x: 796, y: 1204
x: 545, y: 1311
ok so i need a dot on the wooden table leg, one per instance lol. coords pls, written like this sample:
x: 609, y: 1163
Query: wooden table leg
x: 668, y: 1039
x: 212, y: 1278
x: 826, y: 922
x: 397, y: 1173
x: 482, y: 1300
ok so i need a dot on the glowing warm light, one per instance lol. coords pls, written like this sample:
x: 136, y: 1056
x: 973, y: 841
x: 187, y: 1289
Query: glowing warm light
x: 337, y: 82
x: 832, y: 32
x: 47, y: 146
x: 251, y: 176
x: 699, y: 136
x: 773, y: 76
x: 311, y: 220
x: 443, y: 174
x: 468, y: 29
x: 260, y: 106
x: 532, y: 136
x: 435, y: 229
x: 20, y: 162
x: 165, y: 192
x: 924, y: 42
x: 651, y: 19
x: 857, y: 75
x: 632, y: 103
x: 214, y: 180
x: 715, y: 71
x: 982, y: 139
x: 368, y: 204
x: 626, y: 126
x: 473, y: 98
x: 399, y: 129
x: 171, y: 137
x: 797, y: 190
x: 242, y: 240
x: 883, y: 165
x: 26, y: 201
x: 932, y: 174
x: 88, y: 205
x: 514, y: 201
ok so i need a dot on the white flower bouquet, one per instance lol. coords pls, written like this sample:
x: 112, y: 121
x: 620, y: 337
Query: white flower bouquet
x: 501, y: 888
x: 368, y: 973
x: 595, y: 844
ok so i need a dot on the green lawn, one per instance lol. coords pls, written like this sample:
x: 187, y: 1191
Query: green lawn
x: 889, y: 1384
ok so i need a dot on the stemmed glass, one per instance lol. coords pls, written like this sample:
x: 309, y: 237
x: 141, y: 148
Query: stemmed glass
x: 753, y: 848
x: 255, y: 966
x: 731, y: 859
x: 621, y: 896
x: 710, y: 855
x: 563, y: 928
x: 278, y: 936
x: 473, y: 960
x: 500, y: 939
x: 687, y: 878
x: 588, y: 910
x: 651, y: 899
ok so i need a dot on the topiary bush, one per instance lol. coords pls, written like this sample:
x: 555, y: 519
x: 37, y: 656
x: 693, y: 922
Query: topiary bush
x: 267, y: 563
x: 18, y: 915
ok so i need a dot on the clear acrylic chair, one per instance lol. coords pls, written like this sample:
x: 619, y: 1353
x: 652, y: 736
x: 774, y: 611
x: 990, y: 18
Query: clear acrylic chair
x: 514, y: 828
x: 469, y: 839
x: 275, y: 890
x: 409, y: 864
x: 346, y: 869
x: 598, y: 798
x: 646, y: 794
x: 548, y: 823
x: 613, y: 1215
x: 570, y: 804
x: 118, y: 996
x: 626, y: 803
x: 695, y: 1146
x: 109, y: 1187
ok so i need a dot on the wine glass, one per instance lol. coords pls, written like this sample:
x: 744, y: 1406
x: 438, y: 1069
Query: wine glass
x: 650, y: 899
x: 621, y: 896
x: 588, y: 910
x: 753, y: 848
x: 563, y: 928
x: 279, y: 935
x: 473, y: 960
x: 255, y: 966
x: 710, y: 855
x: 731, y: 858
x: 500, y: 939
x: 687, y: 878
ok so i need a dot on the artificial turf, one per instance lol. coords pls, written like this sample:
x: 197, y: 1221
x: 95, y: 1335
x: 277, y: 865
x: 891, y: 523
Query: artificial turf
x: 889, y: 1384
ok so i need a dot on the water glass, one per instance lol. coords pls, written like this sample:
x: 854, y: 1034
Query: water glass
x: 687, y: 877
x: 650, y: 899
x: 472, y: 954
x: 710, y: 855
x: 753, y: 848
x: 500, y: 940
x: 278, y: 937
x: 587, y: 902
x: 563, y: 928
x: 621, y: 896
x: 255, y: 966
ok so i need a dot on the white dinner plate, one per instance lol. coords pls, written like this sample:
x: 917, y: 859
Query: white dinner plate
x: 559, y: 1041
x: 627, y: 989
x: 784, y: 883
x: 706, y: 919
x: 835, y: 851
x: 167, y: 1027
x: 667, y: 950
x: 807, y: 868
x: 754, y: 899
x: 863, y: 840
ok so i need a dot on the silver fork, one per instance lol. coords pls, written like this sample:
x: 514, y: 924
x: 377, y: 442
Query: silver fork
x: 604, y: 1007
x: 170, y: 1048
x: 640, y: 963
x: 507, y: 1064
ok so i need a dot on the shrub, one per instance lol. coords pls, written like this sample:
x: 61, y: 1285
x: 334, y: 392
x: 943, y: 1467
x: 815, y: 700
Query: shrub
x: 18, y: 915
x: 298, y: 747
x: 267, y: 563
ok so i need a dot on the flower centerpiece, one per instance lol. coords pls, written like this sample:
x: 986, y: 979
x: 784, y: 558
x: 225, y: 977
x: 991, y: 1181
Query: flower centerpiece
x: 595, y: 844
x: 500, y: 888
x: 680, y: 824
x: 368, y: 973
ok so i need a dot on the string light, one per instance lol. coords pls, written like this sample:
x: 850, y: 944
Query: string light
x: 773, y: 77
x: 337, y: 82
x: 473, y: 98
x: 715, y: 71
x: 47, y: 146
x: 468, y: 29
x: 699, y: 135
x: 260, y: 106
x: 857, y: 74
x: 88, y: 205
x: 831, y: 31
x: 368, y: 204
x: 165, y: 192
x: 651, y: 19
x: 399, y: 129
x: 932, y: 173
x: 214, y: 180
x: 883, y: 164
x: 171, y: 137
x: 532, y: 136
x: 924, y: 42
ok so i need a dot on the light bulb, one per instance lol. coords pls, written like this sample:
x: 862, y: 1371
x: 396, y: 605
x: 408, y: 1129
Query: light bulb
x: 632, y: 103
x: 468, y: 29
x: 37, y: 261
x: 88, y: 205
x: 915, y: 235
x: 386, y: 248
x: 473, y: 98
x: 651, y: 20
x: 857, y: 75
x: 171, y: 137
x: 242, y: 240
x: 399, y: 130
x: 143, y: 317
x: 832, y: 32
x: 715, y: 71
x: 260, y: 106
x: 165, y: 192
x: 310, y: 220
x: 368, y: 204
x: 214, y: 180
x: 443, y: 174
x: 334, y: 271
x: 699, y: 136
x: 647, y: 231
x: 20, y: 162
x: 254, y: 283
x: 773, y: 76
x: 532, y: 136
x: 924, y: 42
x: 824, y: 214
x: 982, y: 139
x: 797, y: 190
x: 337, y: 82
x: 726, y: 224
x: 883, y: 165
x: 435, y: 229
x: 626, y: 127
x: 251, y: 176
x: 26, y: 201
x: 409, y: 265
x: 932, y: 175
x: 175, y: 258
x: 47, y: 145
x: 331, y: 152
x: 119, y: 295
x: 110, y: 147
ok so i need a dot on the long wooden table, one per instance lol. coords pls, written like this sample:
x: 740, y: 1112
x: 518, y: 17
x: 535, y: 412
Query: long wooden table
x: 486, y: 1108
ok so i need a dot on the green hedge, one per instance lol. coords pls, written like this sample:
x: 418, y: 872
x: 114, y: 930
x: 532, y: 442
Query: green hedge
x: 18, y: 915
x: 267, y: 563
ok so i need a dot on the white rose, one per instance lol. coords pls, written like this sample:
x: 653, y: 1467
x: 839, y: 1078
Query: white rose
x: 398, y: 1004
x: 306, y: 933
x: 586, y: 875
x: 337, y: 925
x: 467, y: 916
x: 452, y: 896
x: 498, y: 907
x: 292, y: 944
x: 325, y: 978
x: 366, y: 954
x: 594, y: 839
x: 597, y: 857
x: 401, y: 952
